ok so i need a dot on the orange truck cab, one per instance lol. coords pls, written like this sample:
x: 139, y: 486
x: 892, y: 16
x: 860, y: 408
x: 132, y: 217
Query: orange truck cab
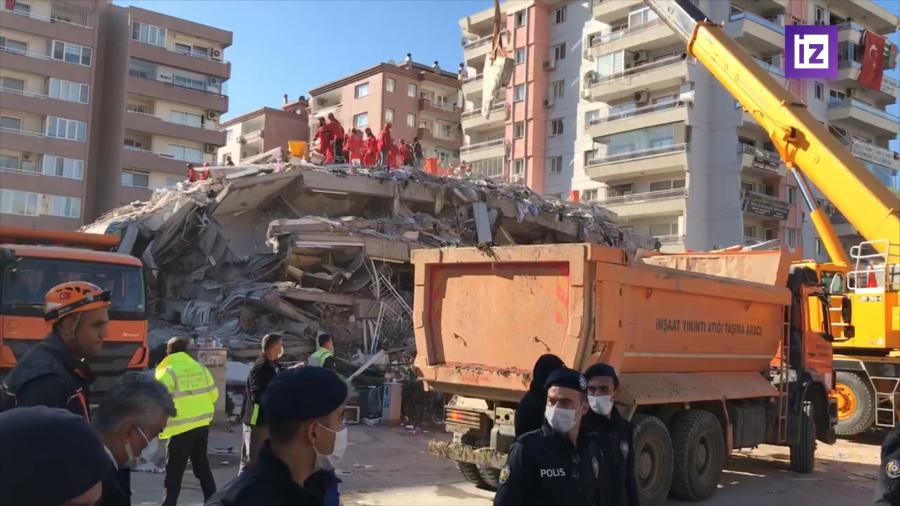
x: 28, y: 271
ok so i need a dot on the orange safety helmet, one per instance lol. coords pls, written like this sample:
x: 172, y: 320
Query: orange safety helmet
x: 73, y: 297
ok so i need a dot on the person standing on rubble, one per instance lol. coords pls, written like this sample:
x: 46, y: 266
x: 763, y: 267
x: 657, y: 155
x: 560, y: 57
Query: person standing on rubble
x: 406, y: 153
x: 530, y: 412
x: 323, y: 135
x: 370, y: 149
x: 195, y: 393
x: 337, y: 138
x: 417, y: 153
x: 385, y: 142
x: 355, y: 146
x: 324, y: 354
x: 55, y: 372
x: 252, y: 414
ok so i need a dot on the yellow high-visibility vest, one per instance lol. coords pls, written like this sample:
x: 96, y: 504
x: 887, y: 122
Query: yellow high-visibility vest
x: 193, y: 389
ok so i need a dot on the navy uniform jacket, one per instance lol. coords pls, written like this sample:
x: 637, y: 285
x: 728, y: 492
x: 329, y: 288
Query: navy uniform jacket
x: 617, y: 436
x: 887, y: 491
x: 543, y: 468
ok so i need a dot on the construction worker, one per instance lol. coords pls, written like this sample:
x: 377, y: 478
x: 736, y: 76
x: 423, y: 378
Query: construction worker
x: 615, y: 432
x: 55, y: 372
x: 370, y: 149
x: 307, y: 438
x: 555, y: 464
x: 384, y: 146
x: 323, y: 135
x: 133, y: 413
x: 530, y: 412
x: 253, y: 416
x: 324, y: 354
x: 195, y: 395
x: 418, y: 155
x: 49, y: 456
x: 337, y: 138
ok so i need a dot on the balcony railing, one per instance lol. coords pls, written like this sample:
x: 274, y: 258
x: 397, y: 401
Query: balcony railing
x: 471, y: 79
x: 205, y: 125
x: 481, y: 145
x: 21, y: 131
x: 57, y: 18
x: 767, y: 161
x: 618, y: 34
x: 190, y: 53
x: 670, y: 60
x: 146, y: 76
x: 640, y: 153
x: 669, y: 239
x: 471, y: 44
x: 633, y: 198
x: 852, y: 102
x: 761, y: 204
x: 769, y: 67
x: 758, y: 20
x: 496, y: 106
x: 638, y: 111
x: 26, y: 93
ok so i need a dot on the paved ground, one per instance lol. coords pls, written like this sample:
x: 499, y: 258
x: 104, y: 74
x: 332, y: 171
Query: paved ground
x: 389, y: 466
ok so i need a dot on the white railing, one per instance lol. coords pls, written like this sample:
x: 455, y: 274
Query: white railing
x: 50, y: 19
x: 26, y: 93
x: 669, y: 239
x: 618, y: 34
x: 848, y: 102
x: 498, y: 105
x: 663, y: 62
x: 481, y: 145
x: 21, y: 131
x: 640, y: 153
x: 669, y: 104
x: 191, y: 53
x: 632, y: 198
x: 758, y: 20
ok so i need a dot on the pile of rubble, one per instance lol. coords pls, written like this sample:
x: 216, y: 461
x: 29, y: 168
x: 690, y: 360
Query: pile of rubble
x: 302, y: 249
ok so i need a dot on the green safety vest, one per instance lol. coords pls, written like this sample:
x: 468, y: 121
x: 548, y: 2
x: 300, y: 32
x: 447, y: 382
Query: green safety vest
x: 193, y: 389
x: 317, y: 359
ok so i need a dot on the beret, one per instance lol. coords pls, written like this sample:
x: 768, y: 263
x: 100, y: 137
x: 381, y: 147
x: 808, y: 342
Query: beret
x: 53, y: 444
x: 304, y: 394
x: 601, y: 369
x: 567, y: 378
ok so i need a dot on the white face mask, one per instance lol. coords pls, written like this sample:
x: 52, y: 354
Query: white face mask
x: 331, y: 460
x: 561, y: 420
x: 601, y: 404
x: 134, y: 460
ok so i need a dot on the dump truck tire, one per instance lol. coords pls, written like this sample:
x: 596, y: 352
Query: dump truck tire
x: 698, y: 447
x: 803, y: 451
x: 490, y: 477
x: 856, y: 404
x: 652, y: 459
x: 470, y: 473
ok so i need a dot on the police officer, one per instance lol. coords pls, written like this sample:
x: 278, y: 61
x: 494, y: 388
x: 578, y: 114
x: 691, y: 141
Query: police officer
x: 557, y: 464
x: 530, y: 411
x: 305, y: 414
x: 615, y: 432
x: 887, y: 491
x: 324, y: 355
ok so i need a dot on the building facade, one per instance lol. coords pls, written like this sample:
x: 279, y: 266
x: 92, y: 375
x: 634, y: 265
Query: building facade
x: 418, y: 100
x: 265, y: 129
x: 656, y: 139
x: 101, y: 104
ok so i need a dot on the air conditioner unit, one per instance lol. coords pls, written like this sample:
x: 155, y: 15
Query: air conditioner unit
x: 26, y: 157
x: 549, y: 64
x: 642, y: 97
x: 213, y: 81
x: 216, y: 54
x: 548, y: 102
x: 641, y: 57
x: 213, y: 115
x: 210, y: 148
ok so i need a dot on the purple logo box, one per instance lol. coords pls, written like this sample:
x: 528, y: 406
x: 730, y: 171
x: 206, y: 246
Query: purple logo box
x: 810, y: 51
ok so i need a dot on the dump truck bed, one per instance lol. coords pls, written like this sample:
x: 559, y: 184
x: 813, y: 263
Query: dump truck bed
x: 481, y: 321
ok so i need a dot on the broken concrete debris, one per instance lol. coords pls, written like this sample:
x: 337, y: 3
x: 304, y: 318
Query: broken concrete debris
x: 300, y: 249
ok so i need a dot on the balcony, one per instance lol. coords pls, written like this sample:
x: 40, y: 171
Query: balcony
x: 447, y: 111
x: 647, y: 204
x: 859, y: 114
x: 495, y: 148
x: 151, y: 124
x: 877, y: 17
x: 41, y: 103
x: 648, y: 36
x: 848, y: 75
x: 608, y: 11
x: 141, y: 85
x: 644, y: 162
x: 472, y: 85
x: 763, y: 163
x: 664, y: 73
x: 60, y: 25
x: 641, y: 117
x: 136, y: 158
x: 770, y: 68
x: 767, y: 206
x: 474, y: 51
x: 761, y: 5
x: 36, y: 142
x: 757, y: 33
x: 40, y: 63
x: 196, y: 62
x: 473, y: 121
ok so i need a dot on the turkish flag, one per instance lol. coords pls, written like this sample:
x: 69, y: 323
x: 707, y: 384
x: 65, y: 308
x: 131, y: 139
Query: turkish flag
x: 872, y: 61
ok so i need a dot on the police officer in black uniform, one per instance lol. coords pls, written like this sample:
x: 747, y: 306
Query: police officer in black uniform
x: 615, y: 432
x: 887, y: 491
x: 557, y: 464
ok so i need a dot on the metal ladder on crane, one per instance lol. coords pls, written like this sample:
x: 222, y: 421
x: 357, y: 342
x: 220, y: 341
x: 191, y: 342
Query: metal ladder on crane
x: 885, y: 400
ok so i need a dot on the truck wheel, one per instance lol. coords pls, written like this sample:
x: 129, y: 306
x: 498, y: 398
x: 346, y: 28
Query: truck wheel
x: 803, y: 451
x: 652, y: 459
x: 699, y: 454
x: 490, y: 477
x: 470, y: 473
x: 855, y: 404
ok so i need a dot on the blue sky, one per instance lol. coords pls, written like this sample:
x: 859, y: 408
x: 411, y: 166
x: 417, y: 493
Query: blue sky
x: 294, y: 46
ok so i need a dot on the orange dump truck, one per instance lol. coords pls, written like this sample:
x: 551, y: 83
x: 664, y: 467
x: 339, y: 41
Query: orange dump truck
x: 715, y: 352
x: 33, y: 261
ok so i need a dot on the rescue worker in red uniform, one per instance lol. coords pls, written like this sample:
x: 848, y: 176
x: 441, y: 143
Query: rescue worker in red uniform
x: 337, y: 138
x: 370, y: 149
x: 323, y: 135
x: 354, y: 147
x: 385, y: 142
x: 406, y: 153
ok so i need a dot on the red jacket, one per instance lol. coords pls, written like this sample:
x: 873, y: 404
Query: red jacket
x: 323, y: 134
x: 406, y: 152
x: 370, y: 146
x: 384, y: 139
x: 353, y: 146
x: 337, y: 131
x: 393, y: 156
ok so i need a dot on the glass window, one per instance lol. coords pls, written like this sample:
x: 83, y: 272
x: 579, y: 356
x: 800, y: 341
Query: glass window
x: 487, y: 168
x: 520, y: 55
x: 67, y: 90
x: 72, y: 53
x: 389, y: 115
x: 519, y: 93
x: 559, y: 15
x: 135, y: 179
x: 390, y: 84
x: 558, y: 89
x: 182, y: 48
x: 150, y: 34
x: 666, y: 185
x: 185, y: 153
x: 411, y: 120
x: 58, y: 166
x: 63, y: 128
x: 8, y: 162
x: 12, y: 84
x: 361, y: 120
x: 186, y: 118
x: 592, y: 117
x: 791, y: 194
x: 819, y: 90
x: 518, y: 129
x: 10, y: 123
x: 519, y: 167
x: 663, y: 229
x: 559, y: 52
x: 411, y: 90
x: 556, y: 126
x: 21, y: 8
x: 361, y: 90
x: 750, y: 231
x: 556, y: 165
x: 589, y: 195
x: 13, y: 46
x: 641, y: 16
x: 639, y: 140
x: 521, y: 18
x: 791, y: 237
x: 19, y: 202
x: 619, y: 190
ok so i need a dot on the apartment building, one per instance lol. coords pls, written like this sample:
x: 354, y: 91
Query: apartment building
x: 418, y: 100
x: 265, y: 129
x: 100, y: 104
x: 657, y: 139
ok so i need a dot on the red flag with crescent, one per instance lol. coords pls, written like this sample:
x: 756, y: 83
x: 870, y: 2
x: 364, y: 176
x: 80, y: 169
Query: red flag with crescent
x: 872, y: 70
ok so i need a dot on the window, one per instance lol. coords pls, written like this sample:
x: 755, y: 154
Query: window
x: 19, y: 202
x: 149, y: 34
x: 558, y: 89
x: 518, y: 167
x: 791, y: 195
x: 836, y: 96
x: 68, y: 90
x: 361, y: 120
x: 135, y: 143
x: 13, y: 85
x: 556, y: 163
x: 72, y: 53
x: 411, y: 120
x: 521, y: 18
x: 20, y: 8
x: 13, y: 46
x: 559, y: 15
x: 57, y: 166
x: 518, y: 129
x: 588, y: 195
x: 592, y: 117
x: 619, y: 190
x: 390, y: 84
x: 791, y: 237
x: 361, y: 90
x: 519, y: 93
x: 559, y: 52
x: 820, y: 248
x: 183, y: 48
x: 820, y: 90
x: 750, y: 231
x: 185, y: 153
x: 521, y: 55
x: 819, y: 16
x: 389, y: 115
x: 664, y: 229
x: 186, y: 118
x: 487, y: 168
x: 666, y: 185
x: 11, y: 163
x: 63, y: 128
x: 411, y: 90
x: 641, y: 16
x: 185, y: 81
x: 135, y: 179
x: 556, y: 126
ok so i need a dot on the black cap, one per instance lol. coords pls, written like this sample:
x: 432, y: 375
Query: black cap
x: 304, y: 394
x: 567, y: 378
x: 604, y: 370
x: 48, y: 456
